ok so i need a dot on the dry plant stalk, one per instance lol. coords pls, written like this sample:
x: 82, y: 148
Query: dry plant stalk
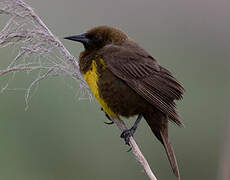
x: 40, y: 51
x: 135, y: 149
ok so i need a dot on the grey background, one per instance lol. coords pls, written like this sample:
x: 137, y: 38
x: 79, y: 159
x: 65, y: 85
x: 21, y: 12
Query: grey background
x: 60, y: 137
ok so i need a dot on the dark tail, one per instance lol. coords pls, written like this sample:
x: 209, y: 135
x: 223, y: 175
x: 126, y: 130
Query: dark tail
x: 159, y: 126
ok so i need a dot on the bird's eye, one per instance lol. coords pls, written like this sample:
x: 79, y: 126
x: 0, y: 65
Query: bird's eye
x: 93, y: 37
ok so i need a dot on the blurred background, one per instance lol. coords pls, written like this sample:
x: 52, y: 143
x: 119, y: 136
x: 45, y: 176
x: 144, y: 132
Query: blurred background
x: 61, y: 137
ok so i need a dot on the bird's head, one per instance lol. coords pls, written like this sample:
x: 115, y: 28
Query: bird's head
x: 99, y: 37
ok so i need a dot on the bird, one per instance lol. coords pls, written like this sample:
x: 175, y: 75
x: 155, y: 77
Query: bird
x: 127, y: 81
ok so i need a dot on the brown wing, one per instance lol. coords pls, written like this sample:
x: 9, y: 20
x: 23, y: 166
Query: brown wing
x: 144, y: 75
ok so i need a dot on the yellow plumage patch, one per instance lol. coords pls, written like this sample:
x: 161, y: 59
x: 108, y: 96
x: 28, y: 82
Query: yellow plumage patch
x: 102, y: 62
x: 91, y: 77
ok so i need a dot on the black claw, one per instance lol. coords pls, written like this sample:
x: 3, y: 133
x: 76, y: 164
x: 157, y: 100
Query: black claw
x: 109, y: 123
x: 126, y: 134
x: 129, y: 150
x: 107, y: 117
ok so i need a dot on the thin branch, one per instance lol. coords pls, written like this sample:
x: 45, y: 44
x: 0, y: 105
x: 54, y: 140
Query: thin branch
x: 20, y: 69
x: 45, y: 75
x: 41, y: 50
x: 135, y: 149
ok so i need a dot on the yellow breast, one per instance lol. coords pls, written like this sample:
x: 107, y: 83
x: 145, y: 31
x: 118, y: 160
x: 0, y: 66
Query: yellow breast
x: 91, y: 77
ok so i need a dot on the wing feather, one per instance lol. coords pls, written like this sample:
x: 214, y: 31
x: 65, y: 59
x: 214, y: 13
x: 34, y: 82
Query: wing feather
x: 144, y: 75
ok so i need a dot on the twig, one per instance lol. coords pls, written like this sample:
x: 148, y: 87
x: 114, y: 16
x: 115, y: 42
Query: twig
x: 20, y: 69
x: 33, y: 37
x: 45, y: 75
x: 135, y: 149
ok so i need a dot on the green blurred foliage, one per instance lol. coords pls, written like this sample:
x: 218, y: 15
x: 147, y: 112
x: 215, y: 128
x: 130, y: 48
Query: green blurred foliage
x: 61, y: 137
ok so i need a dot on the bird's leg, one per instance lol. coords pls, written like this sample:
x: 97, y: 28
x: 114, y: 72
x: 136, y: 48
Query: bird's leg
x: 129, y: 132
x: 109, y: 123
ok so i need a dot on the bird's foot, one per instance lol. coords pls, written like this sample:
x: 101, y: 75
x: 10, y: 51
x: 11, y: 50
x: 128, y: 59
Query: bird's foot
x: 126, y: 134
x: 108, y: 123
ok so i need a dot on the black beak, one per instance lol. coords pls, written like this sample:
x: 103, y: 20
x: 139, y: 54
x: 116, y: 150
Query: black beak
x: 80, y: 38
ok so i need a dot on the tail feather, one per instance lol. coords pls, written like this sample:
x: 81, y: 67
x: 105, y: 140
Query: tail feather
x: 170, y: 153
x: 159, y: 126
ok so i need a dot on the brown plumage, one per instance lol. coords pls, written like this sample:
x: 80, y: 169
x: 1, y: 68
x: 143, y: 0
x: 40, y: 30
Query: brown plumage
x: 131, y: 82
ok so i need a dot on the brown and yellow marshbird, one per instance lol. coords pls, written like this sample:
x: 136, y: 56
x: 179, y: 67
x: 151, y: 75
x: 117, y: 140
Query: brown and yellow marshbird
x: 126, y: 80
